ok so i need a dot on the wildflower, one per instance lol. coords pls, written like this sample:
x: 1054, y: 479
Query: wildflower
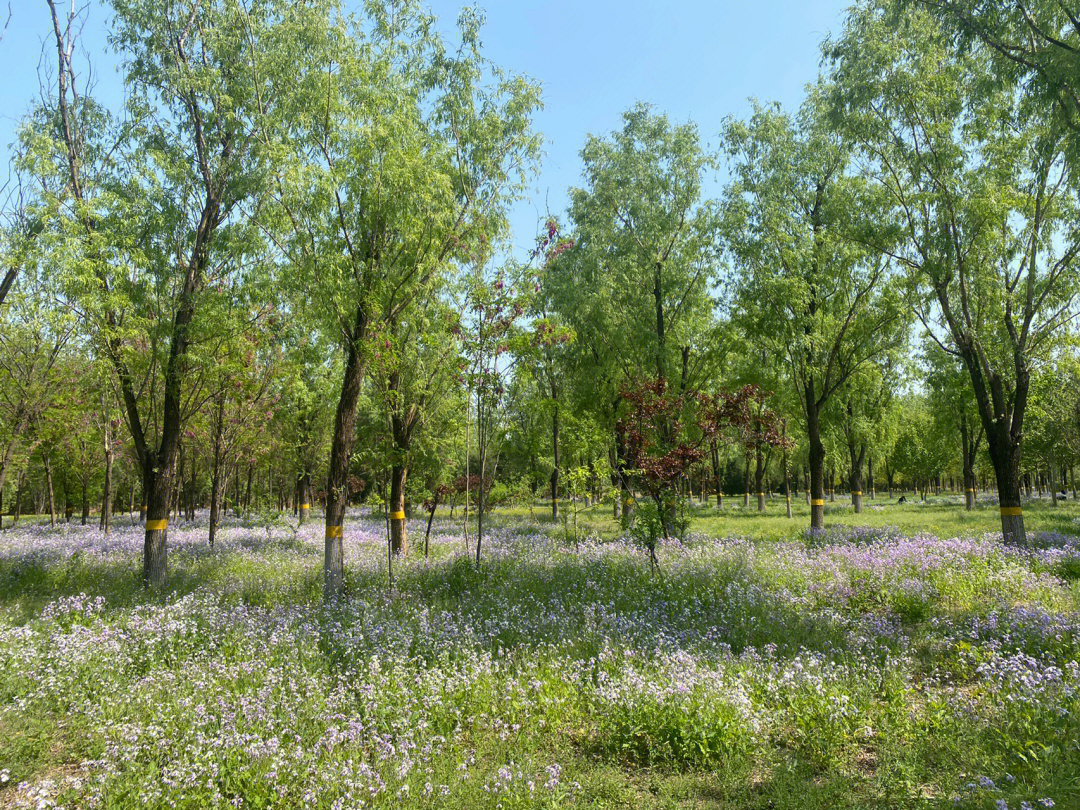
x: 554, y: 771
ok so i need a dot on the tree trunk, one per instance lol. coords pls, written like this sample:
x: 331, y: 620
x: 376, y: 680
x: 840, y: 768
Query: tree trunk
x: 1051, y: 481
x: 304, y: 492
x: 481, y: 444
x: 817, y: 463
x: 857, y: 455
x: 49, y: 486
x: 759, y: 478
x: 158, y: 486
x: 430, y: 520
x: 746, y: 481
x: 69, y: 508
x: 247, y: 488
x: 714, y: 454
x: 9, y: 455
x: 237, y: 500
x: 1005, y: 457
x: 192, y: 494
x: 106, y: 498
x: 787, y: 480
x: 216, y: 472
x: 624, y: 495
x: 555, y: 453
x: 85, y: 497
x: 399, y: 541
x: 337, y: 480
x: 17, y: 511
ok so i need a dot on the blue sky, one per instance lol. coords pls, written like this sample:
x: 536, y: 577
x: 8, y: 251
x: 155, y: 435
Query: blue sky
x: 693, y: 59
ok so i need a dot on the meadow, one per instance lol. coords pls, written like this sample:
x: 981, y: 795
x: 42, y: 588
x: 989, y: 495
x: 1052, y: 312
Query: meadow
x: 903, y: 658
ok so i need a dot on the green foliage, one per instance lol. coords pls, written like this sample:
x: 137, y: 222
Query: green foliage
x: 651, y: 522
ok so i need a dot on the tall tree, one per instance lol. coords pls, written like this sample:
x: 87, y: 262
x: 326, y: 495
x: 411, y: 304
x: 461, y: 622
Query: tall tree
x: 636, y: 287
x: 416, y: 373
x: 406, y: 156
x: 807, y: 287
x: 208, y: 82
x: 981, y: 211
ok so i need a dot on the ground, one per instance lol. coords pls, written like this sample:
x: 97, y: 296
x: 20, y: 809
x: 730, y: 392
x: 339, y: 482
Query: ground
x: 904, y: 658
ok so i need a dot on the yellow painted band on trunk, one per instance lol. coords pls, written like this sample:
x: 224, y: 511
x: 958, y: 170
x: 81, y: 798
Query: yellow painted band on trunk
x: 333, y: 532
x: 817, y: 502
x: 156, y: 525
x: 761, y: 494
x: 397, y: 515
x: 628, y: 502
x: 970, y: 490
x: 856, y: 492
x: 305, y: 506
x: 1012, y: 510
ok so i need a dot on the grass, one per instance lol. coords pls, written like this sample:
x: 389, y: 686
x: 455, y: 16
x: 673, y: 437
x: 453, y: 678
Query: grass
x: 942, y: 515
x: 905, y: 659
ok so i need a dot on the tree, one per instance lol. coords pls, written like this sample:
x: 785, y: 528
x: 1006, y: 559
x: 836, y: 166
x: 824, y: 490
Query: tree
x: 953, y: 402
x: 863, y: 402
x: 406, y: 155
x: 810, y: 291
x: 208, y: 81
x: 302, y: 420
x: 635, y: 287
x: 664, y: 434
x: 548, y: 355
x: 417, y: 371
x: 1051, y: 414
x: 981, y: 212
x: 491, y: 309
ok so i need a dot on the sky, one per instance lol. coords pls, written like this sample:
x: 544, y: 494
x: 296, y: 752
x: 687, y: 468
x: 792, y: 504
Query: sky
x: 695, y: 60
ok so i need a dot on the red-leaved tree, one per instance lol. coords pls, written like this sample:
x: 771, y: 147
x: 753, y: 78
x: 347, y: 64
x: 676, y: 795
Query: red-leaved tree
x: 664, y: 434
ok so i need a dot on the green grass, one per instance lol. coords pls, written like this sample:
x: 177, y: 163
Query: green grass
x: 940, y: 515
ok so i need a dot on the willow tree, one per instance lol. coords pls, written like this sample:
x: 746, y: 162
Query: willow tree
x: 406, y: 156
x: 807, y: 287
x: 547, y: 355
x: 983, y: 213
x: 156, y: 209
x: 636, y: 288
x: 308, y: 381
